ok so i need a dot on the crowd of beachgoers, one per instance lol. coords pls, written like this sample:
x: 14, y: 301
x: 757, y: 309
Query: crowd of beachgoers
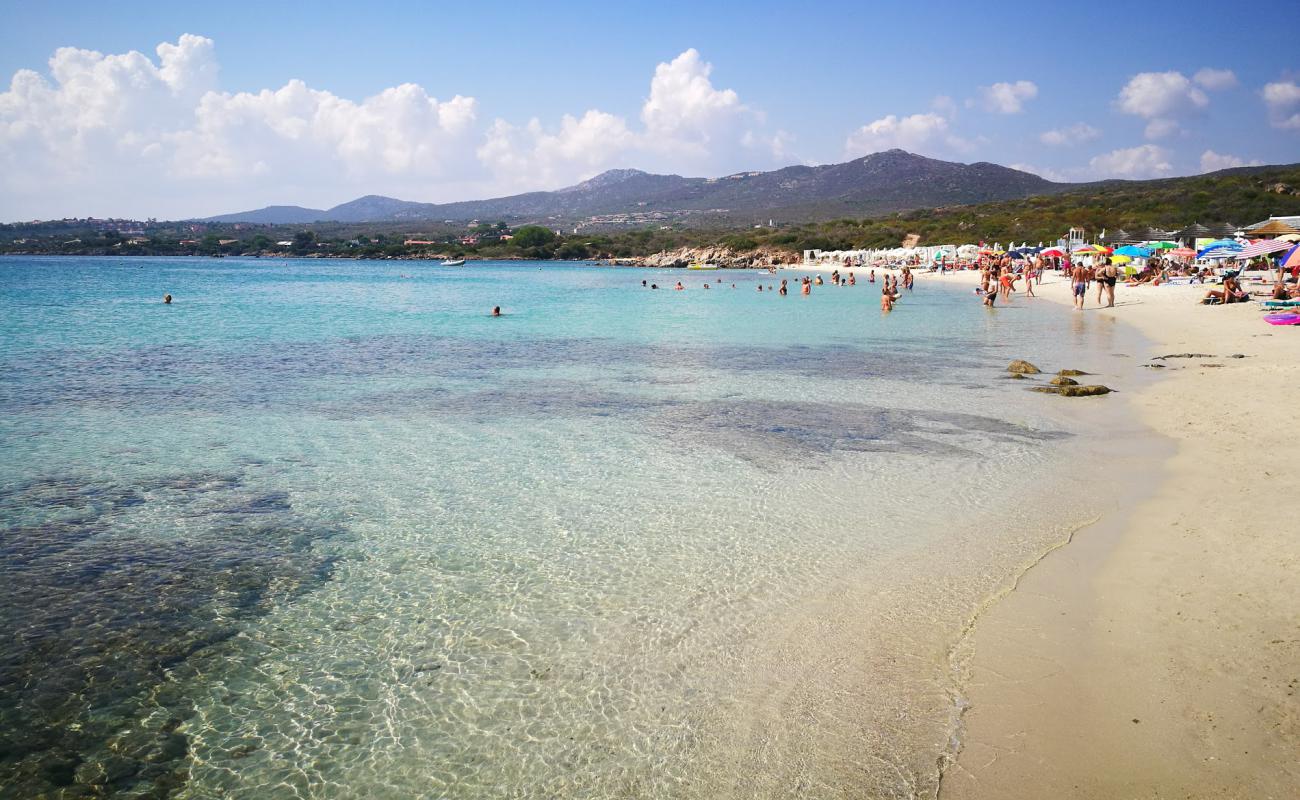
x: 1002, y: 275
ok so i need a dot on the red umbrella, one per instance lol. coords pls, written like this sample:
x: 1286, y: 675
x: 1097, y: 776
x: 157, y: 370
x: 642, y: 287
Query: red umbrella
x: 1182, y: 252
x: 1053, y: 252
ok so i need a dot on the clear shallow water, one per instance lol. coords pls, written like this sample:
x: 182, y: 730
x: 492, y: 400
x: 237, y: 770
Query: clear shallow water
x: 322, y: 529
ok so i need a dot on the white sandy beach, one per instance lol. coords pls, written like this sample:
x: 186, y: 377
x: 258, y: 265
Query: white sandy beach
x: 1158, y: 654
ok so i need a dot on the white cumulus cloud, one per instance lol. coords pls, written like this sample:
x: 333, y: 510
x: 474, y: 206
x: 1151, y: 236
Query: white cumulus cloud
x: 1077, y: 133
x: 1161, y: 98
x: 1215, y: 79
x: 537, y: 157
x: 1212, y: 161
x: 926, y: 133
x: 1007, y: 98
x: 1143, y: 161
x: 1283, y: 101
x: 131, y: 134
x: 687, y: 124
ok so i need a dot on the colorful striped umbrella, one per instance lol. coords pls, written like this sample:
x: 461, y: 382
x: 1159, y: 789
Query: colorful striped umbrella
x: 1263, y: 247
x: 1291, y: 258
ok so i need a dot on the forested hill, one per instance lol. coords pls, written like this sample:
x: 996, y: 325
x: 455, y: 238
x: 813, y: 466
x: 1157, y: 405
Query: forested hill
x: 879, y: 183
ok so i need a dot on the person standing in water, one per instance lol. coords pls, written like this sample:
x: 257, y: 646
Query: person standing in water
x: 167, y: 299
x: 782, y: 291
x: 1079, y: 282
x: 496, y: 311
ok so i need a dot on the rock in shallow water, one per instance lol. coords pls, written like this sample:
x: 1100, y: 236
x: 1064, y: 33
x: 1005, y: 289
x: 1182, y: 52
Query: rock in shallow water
x: 1071, y: 373
x: 1061, y: 380
x: 1085, y: 391
x: 1023, y: 368
x: 1074, y: 391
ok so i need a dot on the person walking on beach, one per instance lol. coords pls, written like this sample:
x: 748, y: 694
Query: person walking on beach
x: 1079, y: 282
x: 1106, y: 278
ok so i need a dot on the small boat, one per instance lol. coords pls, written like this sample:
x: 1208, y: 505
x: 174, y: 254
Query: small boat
x: 699, y: 265
x: 453, y: 262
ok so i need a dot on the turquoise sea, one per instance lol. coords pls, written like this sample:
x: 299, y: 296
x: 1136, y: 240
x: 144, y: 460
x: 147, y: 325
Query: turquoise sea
x: 326, y: 529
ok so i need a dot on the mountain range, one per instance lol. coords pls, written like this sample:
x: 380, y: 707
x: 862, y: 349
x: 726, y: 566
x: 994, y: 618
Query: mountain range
x: 874, y: 185
x: 884, y: 182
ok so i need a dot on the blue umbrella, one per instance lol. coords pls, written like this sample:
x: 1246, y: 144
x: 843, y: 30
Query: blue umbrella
x: 1134, y: 251
x: 1222, y: 244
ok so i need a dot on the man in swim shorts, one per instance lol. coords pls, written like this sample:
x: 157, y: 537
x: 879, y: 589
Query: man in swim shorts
x: 1079, y: 280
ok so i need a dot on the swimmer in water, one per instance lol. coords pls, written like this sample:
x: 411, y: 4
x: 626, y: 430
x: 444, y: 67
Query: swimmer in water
x: 679, y: 286
x: 167, y: 299
x: 782, y: 290
x: 496, y: 311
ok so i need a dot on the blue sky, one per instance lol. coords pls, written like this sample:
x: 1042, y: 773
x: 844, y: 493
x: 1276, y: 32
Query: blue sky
x: 316, y: 103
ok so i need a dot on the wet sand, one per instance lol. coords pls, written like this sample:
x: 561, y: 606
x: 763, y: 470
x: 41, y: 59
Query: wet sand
x: 1158, y: 653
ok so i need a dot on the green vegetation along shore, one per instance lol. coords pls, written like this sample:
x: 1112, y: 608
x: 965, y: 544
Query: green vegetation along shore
x: 1239, y: 197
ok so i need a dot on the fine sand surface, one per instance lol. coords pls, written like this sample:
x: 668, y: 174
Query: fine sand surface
x: 1157, y: 655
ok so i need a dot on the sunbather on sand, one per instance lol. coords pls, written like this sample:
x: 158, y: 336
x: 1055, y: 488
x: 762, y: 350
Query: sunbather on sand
x: 1231, y: 293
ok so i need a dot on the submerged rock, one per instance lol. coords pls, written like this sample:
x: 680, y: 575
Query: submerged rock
x: 1023, y: 368
x: 1016, y: 376
x: 1061, y: 380
x: 1183, y: 355
x: 1072, y: 373
x: 1046, y: 389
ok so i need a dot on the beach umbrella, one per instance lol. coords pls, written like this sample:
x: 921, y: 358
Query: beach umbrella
x: 1053, y: 252
x: 1290, y: 258
x: 1120, y: 259
x: 1225, y: 246
x: 1262, y: 247
x: 1163, y: 245
x: 1182, y: 252
x: 1133, y: 251
x: 1289, y: 237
